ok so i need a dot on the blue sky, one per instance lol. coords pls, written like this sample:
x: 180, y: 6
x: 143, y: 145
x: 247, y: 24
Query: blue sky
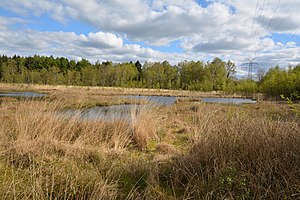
x: 154, y: 30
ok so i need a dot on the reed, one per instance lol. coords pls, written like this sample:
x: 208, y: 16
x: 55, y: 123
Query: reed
x: 238, y: 154
x: 190, y: 150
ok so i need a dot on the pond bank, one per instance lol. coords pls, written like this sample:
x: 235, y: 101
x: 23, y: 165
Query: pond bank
x: 122, y: 91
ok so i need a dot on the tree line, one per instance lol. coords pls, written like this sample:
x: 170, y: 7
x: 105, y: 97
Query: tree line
x: 217, y: 75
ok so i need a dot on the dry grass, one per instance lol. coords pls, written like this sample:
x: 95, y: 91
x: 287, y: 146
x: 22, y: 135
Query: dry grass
x: 187, y: 151
x: 111, y: 91
x: 239, y: 154
x: 145, y: 125
x: 44, y: 154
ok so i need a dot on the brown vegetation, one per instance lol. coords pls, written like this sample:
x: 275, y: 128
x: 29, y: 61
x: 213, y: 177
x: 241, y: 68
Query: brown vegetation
x: 191, y: 150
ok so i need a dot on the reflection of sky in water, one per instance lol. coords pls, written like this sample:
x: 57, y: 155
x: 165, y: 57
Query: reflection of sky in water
x: 128, y: 112
x: 119, y: 112
x: 108, y: 113
x: 228, y: 100
x: 159, y: 100
x: 22, y: 94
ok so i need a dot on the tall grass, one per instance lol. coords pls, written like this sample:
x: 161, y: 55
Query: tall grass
x: 145, y: 125
x: 187, y: 151
x: 45, y: 154
x: 239, y: 154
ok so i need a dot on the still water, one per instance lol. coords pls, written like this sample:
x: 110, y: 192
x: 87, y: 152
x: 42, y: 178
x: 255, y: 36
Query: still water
x: 119, y: 112
x: 128, y: 112
x: 228, y: 100
x: 22, y: 94
x: 107, y: 113
x: 157, y: 100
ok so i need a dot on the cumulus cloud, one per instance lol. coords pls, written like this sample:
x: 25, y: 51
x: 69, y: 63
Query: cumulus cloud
x: 230, y: 29
x: 54, y: 8
x: 159, y: 22
x: 5, y: 22
x: 100, y: 46
x: 101, y: 40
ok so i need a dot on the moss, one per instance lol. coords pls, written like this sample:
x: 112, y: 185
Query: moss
x: 182, y: 141
x: 151, y: 146
x: 133, y: 177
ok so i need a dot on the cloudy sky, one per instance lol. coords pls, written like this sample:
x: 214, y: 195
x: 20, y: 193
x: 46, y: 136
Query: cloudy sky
x: 154, y: 30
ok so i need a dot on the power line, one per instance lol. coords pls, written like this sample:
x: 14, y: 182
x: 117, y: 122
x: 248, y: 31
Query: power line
x: 287, y: 15
x: 292, y: 36
x: 259, y: 12
x: 297, y: 29
x: 266, y: 9
x: 250, y: 37
x: 271, y: 20
x: 260, y: 15
x: 259, y: 18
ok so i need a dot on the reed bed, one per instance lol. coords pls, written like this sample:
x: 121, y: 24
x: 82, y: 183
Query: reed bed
x: 186, y: 151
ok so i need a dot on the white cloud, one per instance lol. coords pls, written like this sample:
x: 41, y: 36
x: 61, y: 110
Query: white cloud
x: 5, y: 22
x: 158, y: 22
x: 93, y: 46
x: 102, y: 40
x: 231, y: 29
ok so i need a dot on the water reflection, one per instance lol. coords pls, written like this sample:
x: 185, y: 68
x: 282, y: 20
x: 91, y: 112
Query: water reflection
x: 159, y: 100
x: 128, y: 112
x: 22, y: 94
x: 107, y: 113
x: 119, y: 112
x: 228, y: 100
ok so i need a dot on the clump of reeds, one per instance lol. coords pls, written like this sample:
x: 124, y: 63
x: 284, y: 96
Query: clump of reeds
x: 39, y: 125
x: 238, y: 154
x: 45, y: 153
x: 210, y: 152
x: 145, y: 124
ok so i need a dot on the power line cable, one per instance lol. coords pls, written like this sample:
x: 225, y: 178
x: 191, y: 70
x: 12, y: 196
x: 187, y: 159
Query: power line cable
x: 271, y: 20
x: 287, y: 15
x: 289, y: 38
x: 258, y: 22
x: 252, y: 26
x: 280, y: 23
x: 292, y: 36
x: 262, y: 11
x: 260, y: 15
x: 250, y: 37
x: 266, y: 10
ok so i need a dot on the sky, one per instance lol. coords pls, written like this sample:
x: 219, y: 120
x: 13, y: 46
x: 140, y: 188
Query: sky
x: 154, y: 30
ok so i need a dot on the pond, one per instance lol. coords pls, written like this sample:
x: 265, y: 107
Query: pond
x: 119, y: 112
x: 22, y: 94
x: 107, y: 113
x: 127, y: 112
x: 228, y: 100
x: 170, y: 100
x: 158, y: 100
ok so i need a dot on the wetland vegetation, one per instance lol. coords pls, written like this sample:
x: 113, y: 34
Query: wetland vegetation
x: 127, y: 131
x: 187, y: 150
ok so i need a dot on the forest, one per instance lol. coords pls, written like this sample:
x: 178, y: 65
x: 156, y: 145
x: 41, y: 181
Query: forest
x: 217, y: 75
